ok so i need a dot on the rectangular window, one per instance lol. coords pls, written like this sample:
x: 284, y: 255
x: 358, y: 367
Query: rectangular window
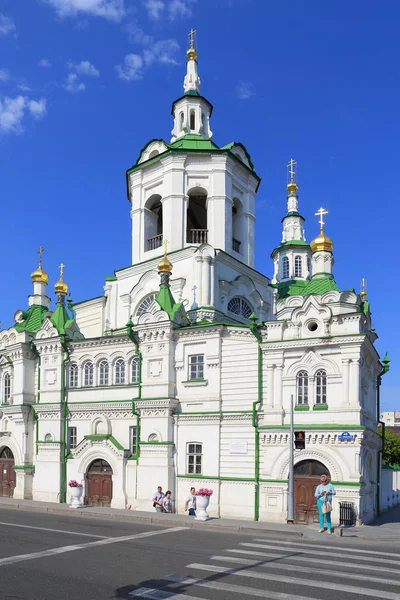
x: 194, y: 455
x: 72, y: 438
x: 196, y: 366
x: 133, y: 439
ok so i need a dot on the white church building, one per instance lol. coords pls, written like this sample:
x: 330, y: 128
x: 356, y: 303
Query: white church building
x: 181, y: 373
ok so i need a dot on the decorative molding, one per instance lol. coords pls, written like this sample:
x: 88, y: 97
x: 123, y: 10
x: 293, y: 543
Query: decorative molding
x: 88, y: 444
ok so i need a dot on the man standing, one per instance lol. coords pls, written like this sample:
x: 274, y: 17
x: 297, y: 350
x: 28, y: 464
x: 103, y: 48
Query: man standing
x: 190, y: 503
x: 157, y: 499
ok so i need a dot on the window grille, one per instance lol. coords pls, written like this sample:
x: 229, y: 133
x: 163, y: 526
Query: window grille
x: 135, y: 369
x: 73, y: 375
x: 88, y: 373
x: 298, y: 267
x: 302, y: 387
x: 320, y: 381
x: 194, y: 458
x: 72, y: 437
x: 196, y: 366
x: 120, y: 371
x: 285, y: 267
x: 239, y: 306
x: 7, y: 387
x: 103, y: 372
x: 145, y: 305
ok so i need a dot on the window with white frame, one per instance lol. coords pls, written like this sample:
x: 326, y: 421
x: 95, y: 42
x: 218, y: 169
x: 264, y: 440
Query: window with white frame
x: 285, y: 267
x: 196, y: 366
x: 320, y: 387
x: 298, y: 267
x: 120, y: 371
x: 133, y: 431
x: 239, y: 306
x: 88, y: 373
x: 302, y: 387
x: 72, y: 438
x: 135, y: 369
x: 145, y: 304
x: 73, y: 375
x: 7, y: 387
x: 194, y: 458
x: 103, y: 373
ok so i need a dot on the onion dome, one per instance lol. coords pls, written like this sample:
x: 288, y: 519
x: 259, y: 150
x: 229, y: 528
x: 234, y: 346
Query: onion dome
x: 292, y: 188
x: 191, y: 54
x: 61, y: 287
x: 321, y: 242
x: 165, y: 265
x: 39, y: 275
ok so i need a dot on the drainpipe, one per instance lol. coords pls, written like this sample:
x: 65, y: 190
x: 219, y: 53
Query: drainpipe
x: 134, y: 339
x: 35, y: 420
x: 254, y: 421
x: 386, y: 367
x: 35, y: 352
x: 63, y: 494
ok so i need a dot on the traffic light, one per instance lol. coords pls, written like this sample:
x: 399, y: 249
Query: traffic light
x: 299, y: 440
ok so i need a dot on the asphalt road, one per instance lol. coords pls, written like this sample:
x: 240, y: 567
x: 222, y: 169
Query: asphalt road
x: 68, y: 557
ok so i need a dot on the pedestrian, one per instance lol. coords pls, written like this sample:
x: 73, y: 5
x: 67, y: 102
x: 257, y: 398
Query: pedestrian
x: 324, y: 493
x: 157, y: 499
x: 167, y: 502
x: 190, y: 503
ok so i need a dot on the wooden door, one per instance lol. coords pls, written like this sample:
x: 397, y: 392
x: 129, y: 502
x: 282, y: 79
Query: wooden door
x: 7, y: 473
x: 305, y: 504
x: 99, y: 484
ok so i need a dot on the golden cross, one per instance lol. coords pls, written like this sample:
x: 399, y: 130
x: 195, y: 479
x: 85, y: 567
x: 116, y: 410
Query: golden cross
x: 291, y: 169
x: 40, y: 255
x: 320, y: 213
x: 191, y: 37
x: 165, y: 244
x: 61, y: 267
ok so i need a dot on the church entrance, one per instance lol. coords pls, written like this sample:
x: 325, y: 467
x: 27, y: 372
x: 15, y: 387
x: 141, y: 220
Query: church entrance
x: 99, y: 478
x: 306, y: 478
x: 7, y: 473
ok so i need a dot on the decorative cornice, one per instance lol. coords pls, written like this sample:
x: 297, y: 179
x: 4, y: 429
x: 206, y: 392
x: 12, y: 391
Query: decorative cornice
x: 87, y: 444
x: 312, y: 342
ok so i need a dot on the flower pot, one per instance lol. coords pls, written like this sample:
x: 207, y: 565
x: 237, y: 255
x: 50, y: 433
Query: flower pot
x: 76, y: 494
x: 202, y: 503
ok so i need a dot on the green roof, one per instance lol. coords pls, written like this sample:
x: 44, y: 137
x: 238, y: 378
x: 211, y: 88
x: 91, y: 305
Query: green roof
x: 290, y: 243
x: 191, y: 141
x: 191, y: 93
x: 32, y: 319
x: 319, y: 286
x: 61, y: 319
x: 293, y: 213
x: 167, y: 303
x: 294, y: 287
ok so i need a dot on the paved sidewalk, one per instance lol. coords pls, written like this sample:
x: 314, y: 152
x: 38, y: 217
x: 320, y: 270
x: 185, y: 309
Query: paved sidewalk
x: 386, y: 528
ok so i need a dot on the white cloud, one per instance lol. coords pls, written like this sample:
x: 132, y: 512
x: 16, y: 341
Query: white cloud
x: 13, y: 111
x: 109, y: 9
x: 7, y: 25
x: 4, y: 75
x: 85, y: 68
x: 45, y: 63
x: 154, y: 8
x: 244, y: 90
x: 132, y: 69
x: 72, y: 84
x: 136, y: 35
x: 23, y: 87
x: 163, y: 51
x: 180, y: 8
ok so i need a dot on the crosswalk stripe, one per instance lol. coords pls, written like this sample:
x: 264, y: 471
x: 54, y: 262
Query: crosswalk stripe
x: 154, y: 594
x: 308, y: 560
x: 296, y: 580
x: 329, y: 553
x: 329, y: 572
x: 236, y: 589
x: 349, y: 550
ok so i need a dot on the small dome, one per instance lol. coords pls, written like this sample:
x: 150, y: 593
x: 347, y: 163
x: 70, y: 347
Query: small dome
x: 39, y: 275
x: 191, y: 54
x: 61, y: 287
x: 322, y: 242
x: 292, y: 188
x: 165, y: 265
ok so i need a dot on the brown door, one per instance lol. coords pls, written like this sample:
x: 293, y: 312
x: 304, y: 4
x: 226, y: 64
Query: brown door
x: 306, y: 478
x: 99, y: 483
x: 7, y: 473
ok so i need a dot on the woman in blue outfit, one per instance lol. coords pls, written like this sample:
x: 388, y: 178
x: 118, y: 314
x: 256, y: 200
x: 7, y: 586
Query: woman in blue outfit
x: 324, y: 493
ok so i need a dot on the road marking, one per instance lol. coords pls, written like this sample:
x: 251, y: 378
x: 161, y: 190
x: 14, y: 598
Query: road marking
x: 331, y: 553
x: 154, y: 594
x: 63, y: 549
x: 331, y: 572
x: 235, y: 589
x: 54, y: 530
x: 296, y: 580
x: 309, y: 560
x: 350, y: 550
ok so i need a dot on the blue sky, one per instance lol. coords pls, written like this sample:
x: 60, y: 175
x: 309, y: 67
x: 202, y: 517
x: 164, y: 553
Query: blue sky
x: 84, y: 84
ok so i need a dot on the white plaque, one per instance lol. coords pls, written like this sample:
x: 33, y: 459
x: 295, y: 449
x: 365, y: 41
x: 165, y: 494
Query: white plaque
x: 238, y: 447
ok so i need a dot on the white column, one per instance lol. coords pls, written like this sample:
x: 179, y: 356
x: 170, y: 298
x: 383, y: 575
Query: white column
x: 355, y: 382
x: 199, y: 279
x: 278, y: 386
x: 206, y: 280
x: 212, y: 283
x: 345, y: 380
x: 270, y: 382
x: 311, y: 392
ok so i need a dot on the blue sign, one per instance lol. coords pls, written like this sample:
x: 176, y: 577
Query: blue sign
x: 345, y: 437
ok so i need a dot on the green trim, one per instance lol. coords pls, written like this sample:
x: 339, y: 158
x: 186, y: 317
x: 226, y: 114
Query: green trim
x: 323, y: 273
x: 348, y: 483
x: 110, y: 278
x: 35, y: 352
x: 32, y: 319
x: 133, y: 457
x: 64, y: 423
x: 293, y: 213
x: 96, y: 387
x: 88, y: 300
x: 23, y: 467
x: 100, y: 436
x: 274, y: 480
x: 196, y: 381
x: 157, y: 443
x: 322, y: 427
x: 216, y: 478
x: 49, y: 442
x: 216, y: 412
x: 302, y: 407
x: 320, y: 407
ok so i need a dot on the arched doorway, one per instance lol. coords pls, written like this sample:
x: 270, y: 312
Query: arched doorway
x: 306, y: 478
x: 7, y: 472
x: 99, y: 478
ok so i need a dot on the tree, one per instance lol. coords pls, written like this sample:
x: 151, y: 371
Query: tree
x: 391, y: 454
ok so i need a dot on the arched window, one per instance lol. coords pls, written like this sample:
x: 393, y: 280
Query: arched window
x: 135, y: 369
x: 103, y: 372
x: 238, y: 306
x: 192, y: 120
x: 320, y: 387
x: 298, y: 267
x: 73, y: 375
x: 153, y: 223
x: 120, y: 371
x: 145, y: 304
x: 181, y: 119
x: 88, y: 373
x: 285, y: 268
x: 7, y: 387
x: 302, y: 387
x: 309, y: 266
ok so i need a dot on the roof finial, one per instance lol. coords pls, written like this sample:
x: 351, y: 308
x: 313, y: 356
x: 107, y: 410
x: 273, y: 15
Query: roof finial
x: 292, y: 186
x: 192, y: 52
x: 165, y: 266
x: 363, y: 292
x: 40, y: 252
x: 39, y: 275
x: 320, y: 213
x: 61, y: 287
x: 322, y: 241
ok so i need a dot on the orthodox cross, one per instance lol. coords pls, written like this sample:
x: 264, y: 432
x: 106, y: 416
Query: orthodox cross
x: 320, y: 213
x: 191, y: 37
x: 61, y: 267
x: 291, y: 169
x: 40, y: 255
x: 194, y: 288
x: 165, y: 244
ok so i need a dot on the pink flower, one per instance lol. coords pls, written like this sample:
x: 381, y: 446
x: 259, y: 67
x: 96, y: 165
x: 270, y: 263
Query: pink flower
x: 204, y: 492
x: 74, y: 483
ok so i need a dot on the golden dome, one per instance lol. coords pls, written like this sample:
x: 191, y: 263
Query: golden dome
x: 165, y: 265
x: 39, y: 275
x: 321, y: 242
x: 61, y: 287
x: 292, y: 188
x: 191, y: 54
